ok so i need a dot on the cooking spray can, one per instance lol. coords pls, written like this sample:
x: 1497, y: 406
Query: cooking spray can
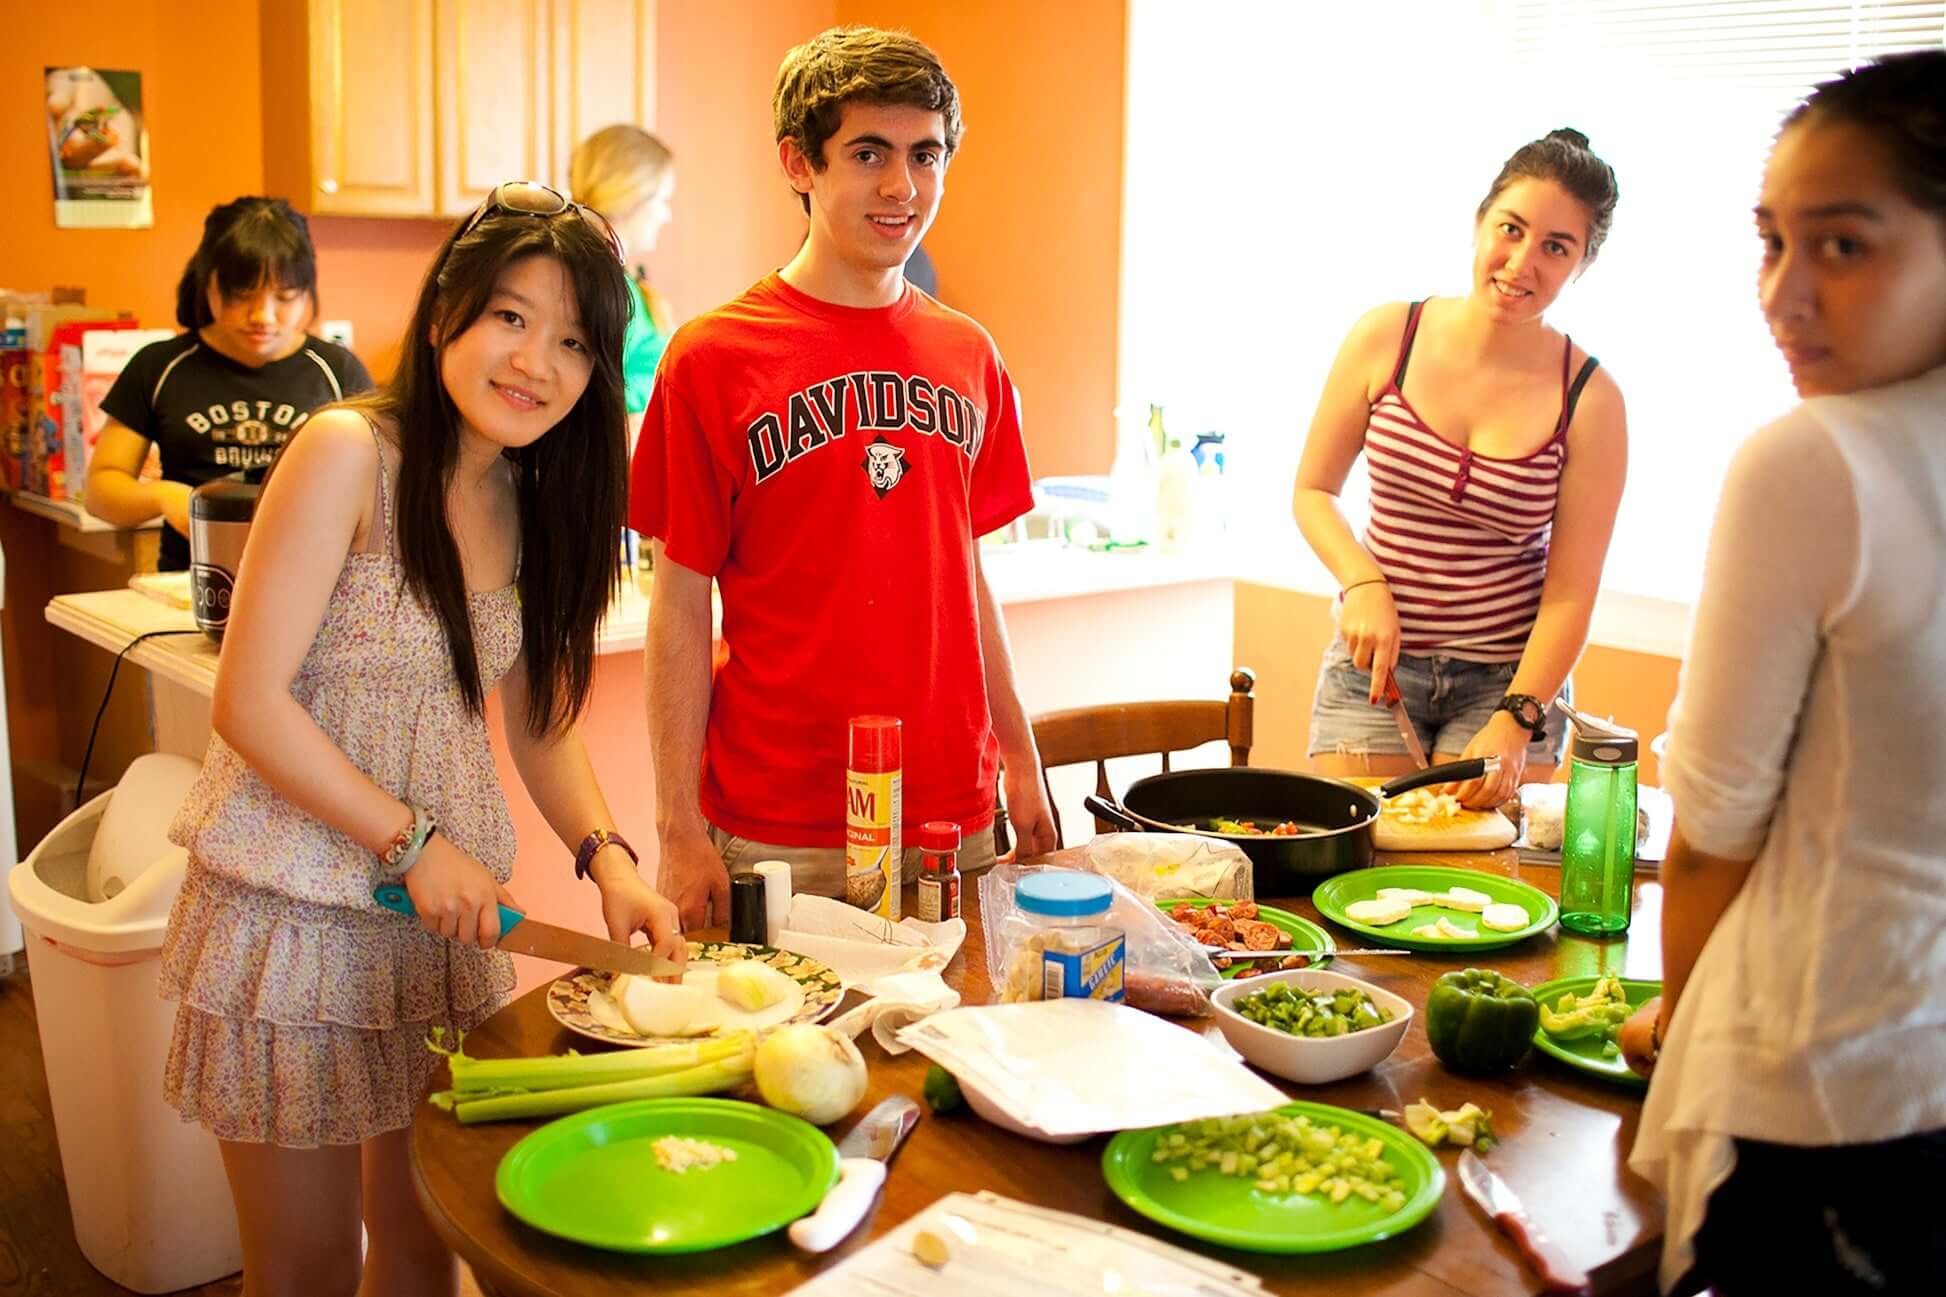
x: 874, y: 797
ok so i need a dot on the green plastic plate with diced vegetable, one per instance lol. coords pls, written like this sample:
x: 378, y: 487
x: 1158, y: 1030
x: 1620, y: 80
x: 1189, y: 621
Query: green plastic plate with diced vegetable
x: 1465, y: 930
x: 595, y: 1177
x: 1307, y: 938
x: 1234, y: 1210
x: 1590, y: 1053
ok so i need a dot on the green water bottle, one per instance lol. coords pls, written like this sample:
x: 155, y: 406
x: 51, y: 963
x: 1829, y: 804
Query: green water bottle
x: 1598, y: 835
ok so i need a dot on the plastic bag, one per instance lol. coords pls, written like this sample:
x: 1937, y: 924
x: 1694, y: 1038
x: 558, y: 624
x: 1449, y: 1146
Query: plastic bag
x: 1173, y: 866
x: 1166, y: 971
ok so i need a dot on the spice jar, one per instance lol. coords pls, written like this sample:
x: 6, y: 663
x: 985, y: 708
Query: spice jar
x: 939, y: 877
x: 1059, y: 943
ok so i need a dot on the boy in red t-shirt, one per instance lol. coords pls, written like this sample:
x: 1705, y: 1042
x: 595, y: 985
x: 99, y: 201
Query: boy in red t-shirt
x: 828, y: 448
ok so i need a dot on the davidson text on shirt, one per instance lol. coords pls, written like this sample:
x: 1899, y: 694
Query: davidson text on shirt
x: 867, y: 401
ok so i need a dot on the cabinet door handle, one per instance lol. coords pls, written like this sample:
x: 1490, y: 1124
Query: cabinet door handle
x: 328, y: 185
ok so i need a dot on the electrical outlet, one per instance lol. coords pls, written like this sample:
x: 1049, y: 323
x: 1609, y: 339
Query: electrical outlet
x: 338, y: 331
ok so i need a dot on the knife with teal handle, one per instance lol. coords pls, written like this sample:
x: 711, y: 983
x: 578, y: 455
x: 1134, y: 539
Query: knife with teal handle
x: 521, y: 935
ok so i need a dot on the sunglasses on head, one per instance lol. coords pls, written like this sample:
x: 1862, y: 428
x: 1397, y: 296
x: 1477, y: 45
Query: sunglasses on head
x: 532, y: 198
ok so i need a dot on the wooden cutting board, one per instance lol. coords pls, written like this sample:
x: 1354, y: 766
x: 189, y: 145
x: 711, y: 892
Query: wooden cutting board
x: 1469, y: 831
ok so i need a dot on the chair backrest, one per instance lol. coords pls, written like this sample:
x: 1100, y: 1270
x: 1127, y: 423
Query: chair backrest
x: 1101, y: 734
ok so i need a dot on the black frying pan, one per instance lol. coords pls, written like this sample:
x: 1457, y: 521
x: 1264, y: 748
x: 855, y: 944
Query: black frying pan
x: 1336, y: 817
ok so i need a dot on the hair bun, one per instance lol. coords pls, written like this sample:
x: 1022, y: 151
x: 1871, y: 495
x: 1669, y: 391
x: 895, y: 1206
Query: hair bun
x: 1570, y: 135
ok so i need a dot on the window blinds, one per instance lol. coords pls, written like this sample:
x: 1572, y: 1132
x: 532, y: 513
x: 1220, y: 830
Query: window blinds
x: 1779, y: 45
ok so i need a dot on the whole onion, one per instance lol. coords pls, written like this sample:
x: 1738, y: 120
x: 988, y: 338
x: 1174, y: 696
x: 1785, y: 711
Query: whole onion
x: 811, y: 1072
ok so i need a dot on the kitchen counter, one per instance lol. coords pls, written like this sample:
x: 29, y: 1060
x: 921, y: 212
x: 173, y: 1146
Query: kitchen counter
x: 1085, y: 628
x: 1564, y: 1137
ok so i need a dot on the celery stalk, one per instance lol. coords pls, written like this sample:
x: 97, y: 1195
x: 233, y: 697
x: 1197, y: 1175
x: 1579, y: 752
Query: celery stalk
x: 705, y: 1079
x: 480, y: 1077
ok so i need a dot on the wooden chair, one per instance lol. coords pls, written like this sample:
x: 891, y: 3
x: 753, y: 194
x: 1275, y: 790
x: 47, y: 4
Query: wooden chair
x: 1100, y: 734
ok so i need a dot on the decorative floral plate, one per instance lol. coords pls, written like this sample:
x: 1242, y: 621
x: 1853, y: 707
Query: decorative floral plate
x: 567, y: 998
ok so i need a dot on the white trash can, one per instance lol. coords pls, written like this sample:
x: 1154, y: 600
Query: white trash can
x: 151, y: 1206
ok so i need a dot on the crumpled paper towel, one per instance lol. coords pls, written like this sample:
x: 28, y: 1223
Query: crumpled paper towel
x: 896, y: 965
x: 897, y: 1000
x: 858, y: 945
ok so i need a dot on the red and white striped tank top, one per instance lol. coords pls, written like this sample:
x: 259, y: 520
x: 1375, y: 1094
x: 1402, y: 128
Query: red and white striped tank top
x: 1461, y: 537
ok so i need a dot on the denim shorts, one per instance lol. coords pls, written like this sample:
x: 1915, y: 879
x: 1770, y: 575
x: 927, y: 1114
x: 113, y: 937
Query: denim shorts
x: 1449, y: 700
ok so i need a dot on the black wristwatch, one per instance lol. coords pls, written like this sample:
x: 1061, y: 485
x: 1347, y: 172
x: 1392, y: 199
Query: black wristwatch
x: 1530, y: 711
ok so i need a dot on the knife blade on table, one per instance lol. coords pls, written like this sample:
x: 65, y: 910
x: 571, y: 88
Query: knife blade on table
x: 1392, y: 699
x: 862, y: 1158
x: 521, y: 935
x: 1557, y: 1272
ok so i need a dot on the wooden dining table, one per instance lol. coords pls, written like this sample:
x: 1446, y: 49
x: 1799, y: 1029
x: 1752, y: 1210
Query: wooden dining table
x: 1564, y: 1142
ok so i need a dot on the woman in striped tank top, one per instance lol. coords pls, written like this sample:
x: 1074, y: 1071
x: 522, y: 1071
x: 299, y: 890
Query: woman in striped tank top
x: 1496, y: 450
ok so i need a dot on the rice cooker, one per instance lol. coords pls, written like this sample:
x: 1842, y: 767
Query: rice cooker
x: 219, y: 519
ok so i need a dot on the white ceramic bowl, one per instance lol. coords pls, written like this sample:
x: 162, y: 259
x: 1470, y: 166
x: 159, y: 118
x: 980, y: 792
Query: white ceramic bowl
x: 991, y: 1110
x: 1310, y: 1060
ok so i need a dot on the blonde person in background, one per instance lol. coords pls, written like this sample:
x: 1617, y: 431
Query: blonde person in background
x: 629, y: 176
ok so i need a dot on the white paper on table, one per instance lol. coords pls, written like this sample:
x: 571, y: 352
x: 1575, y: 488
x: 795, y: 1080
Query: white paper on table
x: 1078, y: 1067
x: 897, y: 1000
x: 860, y: 946
x: 1003, y: 1248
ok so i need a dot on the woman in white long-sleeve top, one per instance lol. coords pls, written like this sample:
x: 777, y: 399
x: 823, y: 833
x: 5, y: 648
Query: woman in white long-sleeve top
x: 1796, y: 1119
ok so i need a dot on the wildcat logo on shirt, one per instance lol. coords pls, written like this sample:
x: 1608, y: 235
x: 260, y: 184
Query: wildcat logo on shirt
x: 884, y: 465
x: 867, y: 401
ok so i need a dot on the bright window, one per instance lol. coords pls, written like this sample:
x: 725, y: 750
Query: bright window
x: 1289, y: 166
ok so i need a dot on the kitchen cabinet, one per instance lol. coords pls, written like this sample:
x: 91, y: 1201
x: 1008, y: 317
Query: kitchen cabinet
x: 603, y: 71
x: 419, y: 107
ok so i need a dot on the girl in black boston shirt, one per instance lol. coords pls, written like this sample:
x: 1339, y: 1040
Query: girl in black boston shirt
x: 226, y: 394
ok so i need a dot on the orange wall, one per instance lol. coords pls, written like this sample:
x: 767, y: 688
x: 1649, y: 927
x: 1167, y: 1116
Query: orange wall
x: 1029, y: 238
x: 205, y: 147
x: 734, y: 220
x: 369, y: 272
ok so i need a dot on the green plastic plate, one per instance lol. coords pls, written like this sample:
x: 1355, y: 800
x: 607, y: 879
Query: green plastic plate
x: 1231, y: 1210
x: 1307, y: 938
x: 1335, y: 894
x: 1586, y: 1055
x: 593, y: 1177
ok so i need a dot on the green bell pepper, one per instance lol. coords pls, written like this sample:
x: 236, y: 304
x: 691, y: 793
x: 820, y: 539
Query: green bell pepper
x: 1480, y: 1021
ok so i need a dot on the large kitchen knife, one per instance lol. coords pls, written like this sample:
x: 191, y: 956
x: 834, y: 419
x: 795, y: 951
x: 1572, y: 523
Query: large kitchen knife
x: 1392, y: 699
x: 863, y: 1155
x: 1557, y: 1272
x: 521, y: 935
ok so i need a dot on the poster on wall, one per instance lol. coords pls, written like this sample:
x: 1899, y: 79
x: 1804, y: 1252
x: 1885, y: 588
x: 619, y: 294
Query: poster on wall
x: 99, y: 143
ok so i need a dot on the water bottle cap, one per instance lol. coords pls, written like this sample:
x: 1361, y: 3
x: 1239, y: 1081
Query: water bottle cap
x: 1606, y: 749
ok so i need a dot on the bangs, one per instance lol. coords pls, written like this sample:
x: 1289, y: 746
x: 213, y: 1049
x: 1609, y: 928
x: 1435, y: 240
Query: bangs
x: 262, y: 249
x: 601, y: 291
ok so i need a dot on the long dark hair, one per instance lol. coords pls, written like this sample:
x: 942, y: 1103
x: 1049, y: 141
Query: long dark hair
x: 1563, y: 156
x: 571, y: 483
x: 246, y: 241
x: 1901, y: 100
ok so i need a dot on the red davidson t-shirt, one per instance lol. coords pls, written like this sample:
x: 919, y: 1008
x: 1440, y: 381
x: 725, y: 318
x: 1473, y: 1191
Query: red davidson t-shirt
x: 832, y: 468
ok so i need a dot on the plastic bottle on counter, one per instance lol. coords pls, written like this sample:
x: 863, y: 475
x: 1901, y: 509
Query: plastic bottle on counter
x: 1598, y: 834
x: 874, y: 806
x: 1060, y: 943
x: 1175, y: 498
x: 939, y: 876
